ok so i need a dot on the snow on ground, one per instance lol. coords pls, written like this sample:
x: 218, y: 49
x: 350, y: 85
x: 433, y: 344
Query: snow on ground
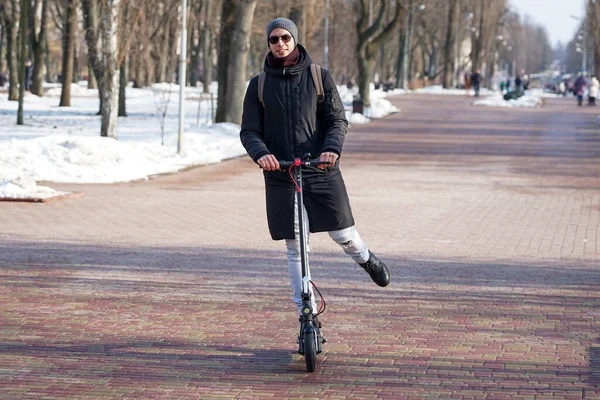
x: 438, y: 89
x: 497, y: 100
x: 63, y: 144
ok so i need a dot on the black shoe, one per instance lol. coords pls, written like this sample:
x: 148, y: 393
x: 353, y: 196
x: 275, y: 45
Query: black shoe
x: 377, y: 270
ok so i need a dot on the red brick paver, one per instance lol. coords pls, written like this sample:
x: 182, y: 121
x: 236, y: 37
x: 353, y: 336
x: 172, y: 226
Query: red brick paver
x: 172, y: 289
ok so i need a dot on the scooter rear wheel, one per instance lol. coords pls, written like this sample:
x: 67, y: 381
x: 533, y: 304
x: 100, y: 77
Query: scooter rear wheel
x: 310, y: 350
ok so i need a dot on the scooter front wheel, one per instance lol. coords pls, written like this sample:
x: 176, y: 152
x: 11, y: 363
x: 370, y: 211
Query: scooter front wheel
x: 310, y: 350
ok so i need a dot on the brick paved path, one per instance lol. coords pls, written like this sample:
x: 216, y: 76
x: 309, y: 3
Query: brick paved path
x: 171, y: 288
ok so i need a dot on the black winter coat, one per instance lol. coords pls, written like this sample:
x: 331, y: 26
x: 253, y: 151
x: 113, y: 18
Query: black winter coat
x: 289, y: 126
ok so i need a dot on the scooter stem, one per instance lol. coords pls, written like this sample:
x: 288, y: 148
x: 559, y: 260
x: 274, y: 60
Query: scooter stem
x: 301, y: 231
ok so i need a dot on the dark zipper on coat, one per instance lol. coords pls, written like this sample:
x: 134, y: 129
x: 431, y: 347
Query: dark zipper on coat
x: 289, y: 113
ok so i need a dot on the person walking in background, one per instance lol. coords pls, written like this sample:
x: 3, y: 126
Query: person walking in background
x: 562, y: 88
x: 578, y: 88
x: 476, y: 82
x: 525, y: 82
x: 518, y: 83
x: 593, y: 91
x: 28, y: 73
x: 286, y: 120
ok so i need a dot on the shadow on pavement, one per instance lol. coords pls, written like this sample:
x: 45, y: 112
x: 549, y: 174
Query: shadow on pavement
x: 201, y: 317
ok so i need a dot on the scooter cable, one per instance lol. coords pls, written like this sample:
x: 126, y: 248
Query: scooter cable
x: 323, y: 305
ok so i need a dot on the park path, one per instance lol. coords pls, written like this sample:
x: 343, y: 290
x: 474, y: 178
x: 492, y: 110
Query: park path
x: 171, y: 288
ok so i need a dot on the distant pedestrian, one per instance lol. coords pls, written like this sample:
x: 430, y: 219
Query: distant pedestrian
x: 507, y: 85
x: 518, y: 83
x: 562, y: 88
x: 593, y: 91
x: 476, y: 82
x: 502, y: 85
x: 28, y: 73
x: 2, y: 79
x: 578, y: 88
x: 525, y: 82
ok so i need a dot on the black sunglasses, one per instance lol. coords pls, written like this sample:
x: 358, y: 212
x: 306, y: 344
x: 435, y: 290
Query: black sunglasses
x: 275, y: 39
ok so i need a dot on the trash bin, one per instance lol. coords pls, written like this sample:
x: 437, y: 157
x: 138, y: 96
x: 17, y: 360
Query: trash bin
x: 357, y: 105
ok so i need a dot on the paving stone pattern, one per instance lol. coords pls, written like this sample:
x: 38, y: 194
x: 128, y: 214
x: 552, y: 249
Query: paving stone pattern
x: 171, y: 288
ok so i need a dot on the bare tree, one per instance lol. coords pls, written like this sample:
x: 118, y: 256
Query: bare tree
x: 38, y: 43
x: 69, y: 53
x: 23, y: 32
x: 207, y: 33
x: 451, y: 29
x: 593, y: 32
x: 10, y: 15
x: 229, y: 109
x: 227, y: 25
x: 101, y: 20
x: 369, y: 37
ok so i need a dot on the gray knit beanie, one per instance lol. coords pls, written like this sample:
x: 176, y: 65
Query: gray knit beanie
x: 284, y: 23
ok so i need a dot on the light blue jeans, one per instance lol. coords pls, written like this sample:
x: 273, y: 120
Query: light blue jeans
x: 348, y: 239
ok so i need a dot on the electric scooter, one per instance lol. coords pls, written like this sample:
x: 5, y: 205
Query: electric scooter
x: 310, y: 340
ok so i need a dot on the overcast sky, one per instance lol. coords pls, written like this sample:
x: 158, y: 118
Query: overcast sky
x: 555, y: 15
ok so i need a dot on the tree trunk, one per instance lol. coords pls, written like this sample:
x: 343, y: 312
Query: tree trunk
x: 75, y: 75
x: 92, y: 81
x: 399, y: 63
x: 103, y: 22
x: 164, y: 52
x: 477, y: 39
x: 38, y: 48
x: 68, y: 56
x: 22, y: 57
x: 449, y: 47
x: 194, y: 55
x: 364, y: 79
x: 297, y: 15
x: 369, y: 38
x: 207, y: 48
x: 172, y: 56
x: 110, y: 81
x: 2, y: 43
x: 123, y: 79
x: 594, y: 15
x: 10, y: 18
x: 48, y: 62
x: 90, y: 19
x: 227, y: 26
x: 236, y: 71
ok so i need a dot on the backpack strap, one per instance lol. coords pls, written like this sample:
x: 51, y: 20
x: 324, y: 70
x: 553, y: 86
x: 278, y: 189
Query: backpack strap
x: 315, y: 71
x: 261, y: 87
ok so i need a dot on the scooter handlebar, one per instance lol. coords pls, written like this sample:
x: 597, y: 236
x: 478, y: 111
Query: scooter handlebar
x: 297, y: 162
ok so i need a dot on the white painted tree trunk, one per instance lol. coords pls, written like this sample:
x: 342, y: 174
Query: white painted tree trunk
x: 110, y: 94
